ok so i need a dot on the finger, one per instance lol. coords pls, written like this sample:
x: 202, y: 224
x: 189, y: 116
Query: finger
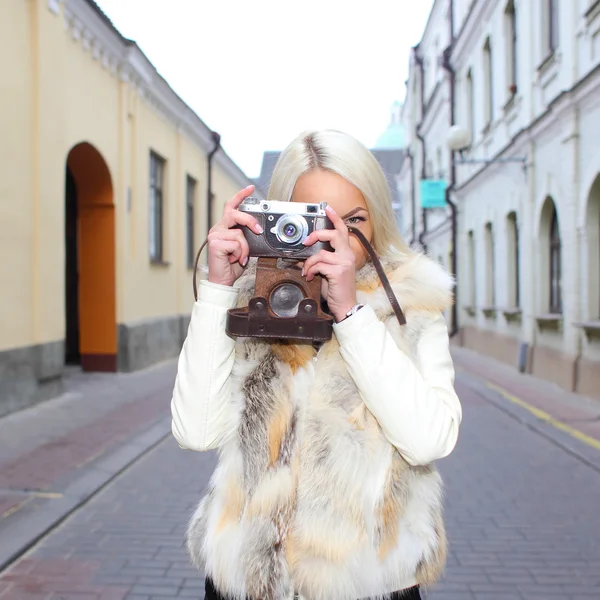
x: 232, y: 235
x: 239, y: 198
x: 228, y: 249
x: 324, y: 269
x: 322, y: 256
x: 337, y: 221
x: 333, y: 236
x: 236, y: 217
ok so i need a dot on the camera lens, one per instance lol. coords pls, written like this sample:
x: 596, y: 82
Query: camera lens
x: 285, y: 299
x: 291, y: 229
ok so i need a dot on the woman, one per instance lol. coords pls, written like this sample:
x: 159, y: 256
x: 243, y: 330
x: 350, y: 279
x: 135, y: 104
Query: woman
x: 325, y: 487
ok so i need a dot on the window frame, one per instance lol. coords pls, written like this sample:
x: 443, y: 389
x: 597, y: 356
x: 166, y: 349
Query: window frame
x: 489, y: 82
x: 555, y: 265
x: 191, y: 186
x: 156, y: 209
x: 512, y: 46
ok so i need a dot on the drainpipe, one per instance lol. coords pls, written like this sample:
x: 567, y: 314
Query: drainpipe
x: 413, y: 197
x: 216, y: 138
x: 452, y: 183
x: 420, y: 63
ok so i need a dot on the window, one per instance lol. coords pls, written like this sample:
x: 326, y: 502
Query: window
x: 489, y: 88
x: 555, y: 265
x: 550, y: 15
x: 471, y: 104
x: 471, y: 273
x: 514, y: 292
x: 156, y: 237
x: 490, y: 291
x: 190, y: 201
x: 511, y: 37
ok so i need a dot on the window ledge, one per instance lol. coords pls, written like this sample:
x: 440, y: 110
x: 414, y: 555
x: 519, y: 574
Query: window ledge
x: 155, y: 262
x: 489, y: 312
x: 512, y: 314
x: 548, y: 68
x: 511, y: 108
x: 591, y: 328
x: 549, y: 321
x: 470, y: 310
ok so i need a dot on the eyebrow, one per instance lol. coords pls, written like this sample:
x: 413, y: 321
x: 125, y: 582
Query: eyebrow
x: 353, y: 212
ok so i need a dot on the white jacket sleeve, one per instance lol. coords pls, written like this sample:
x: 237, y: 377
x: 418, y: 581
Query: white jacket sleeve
x: 200, y: 406
x: 417, y: 409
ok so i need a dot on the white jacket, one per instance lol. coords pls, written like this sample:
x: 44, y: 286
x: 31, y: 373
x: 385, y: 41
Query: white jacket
x: 423, y: 426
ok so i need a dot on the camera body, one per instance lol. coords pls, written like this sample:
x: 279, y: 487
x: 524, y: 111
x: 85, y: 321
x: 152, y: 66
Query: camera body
x: 285, y: 226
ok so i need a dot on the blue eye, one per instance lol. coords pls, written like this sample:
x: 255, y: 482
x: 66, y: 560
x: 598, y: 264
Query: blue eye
x: 356, y: 220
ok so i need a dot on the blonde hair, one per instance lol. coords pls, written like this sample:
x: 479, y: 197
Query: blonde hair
x: 342, y: 154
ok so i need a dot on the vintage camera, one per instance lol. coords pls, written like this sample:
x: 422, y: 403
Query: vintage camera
x: 286, y: 225
x: 285, y: 306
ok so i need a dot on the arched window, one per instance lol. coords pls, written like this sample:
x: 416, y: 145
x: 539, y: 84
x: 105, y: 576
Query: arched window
x: 555, y: 265
x: 471, y: 269
x: 490, y: 288
x: 514, y: 288
x: 593, y: 250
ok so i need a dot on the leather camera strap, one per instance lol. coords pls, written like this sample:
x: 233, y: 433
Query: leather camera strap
x: 378, y: 267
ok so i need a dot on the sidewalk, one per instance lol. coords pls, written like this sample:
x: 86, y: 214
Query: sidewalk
x: 55, y: 455
x: 571, y: 420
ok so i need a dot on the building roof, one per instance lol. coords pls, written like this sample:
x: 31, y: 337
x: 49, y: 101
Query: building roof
x: 269, y: 161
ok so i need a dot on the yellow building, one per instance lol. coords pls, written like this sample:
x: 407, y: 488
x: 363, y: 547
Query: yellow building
x: 105, y: 176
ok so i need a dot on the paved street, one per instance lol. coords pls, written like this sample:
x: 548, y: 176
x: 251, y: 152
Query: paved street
x: 522, y: 515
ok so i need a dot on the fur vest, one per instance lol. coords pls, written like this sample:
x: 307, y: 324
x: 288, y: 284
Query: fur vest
x: 309, y: 496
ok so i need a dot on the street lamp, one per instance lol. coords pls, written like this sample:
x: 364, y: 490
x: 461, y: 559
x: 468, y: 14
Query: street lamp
x: 458, y: 139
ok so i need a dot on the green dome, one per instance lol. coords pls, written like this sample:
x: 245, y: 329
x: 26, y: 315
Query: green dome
x: 393, y: 136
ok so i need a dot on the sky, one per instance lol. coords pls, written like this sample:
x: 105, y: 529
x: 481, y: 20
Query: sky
x: 261, y: 71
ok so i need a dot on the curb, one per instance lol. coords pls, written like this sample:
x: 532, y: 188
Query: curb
x: 28, y: 525
x: 494, y: 395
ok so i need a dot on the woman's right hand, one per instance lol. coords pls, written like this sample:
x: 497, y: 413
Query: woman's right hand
x: 228, y: 250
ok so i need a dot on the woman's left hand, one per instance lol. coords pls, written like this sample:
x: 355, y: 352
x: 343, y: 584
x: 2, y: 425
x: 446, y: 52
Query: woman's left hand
x: 338, y: 268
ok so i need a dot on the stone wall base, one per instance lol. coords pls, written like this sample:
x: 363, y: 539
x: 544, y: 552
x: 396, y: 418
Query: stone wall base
x: 555, y: 366
x: 495, y: 345
x: 570, y: 373
x: 30, y: 375
x: 148, y: 342
x: 587, y: 377
x: 35, y: 373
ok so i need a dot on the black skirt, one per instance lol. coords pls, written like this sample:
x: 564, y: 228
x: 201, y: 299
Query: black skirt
x: 409, y: 594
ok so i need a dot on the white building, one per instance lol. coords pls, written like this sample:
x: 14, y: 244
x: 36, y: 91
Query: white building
x: 527, y: 92
x: 426, y: 118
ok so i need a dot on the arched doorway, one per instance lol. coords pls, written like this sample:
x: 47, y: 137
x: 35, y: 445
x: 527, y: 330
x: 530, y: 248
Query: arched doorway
x: 593, y: 248
x: 90, y: 304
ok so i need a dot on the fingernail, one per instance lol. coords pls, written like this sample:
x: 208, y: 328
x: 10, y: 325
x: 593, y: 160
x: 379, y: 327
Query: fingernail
x: 302, y: 271
x: 259, y: 229
x: 249, y: 187
x: 245, y: 261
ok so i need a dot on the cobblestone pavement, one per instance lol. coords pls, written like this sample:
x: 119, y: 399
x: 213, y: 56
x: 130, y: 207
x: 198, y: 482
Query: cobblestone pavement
x: 55, y: 455
x: 522, y: 518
